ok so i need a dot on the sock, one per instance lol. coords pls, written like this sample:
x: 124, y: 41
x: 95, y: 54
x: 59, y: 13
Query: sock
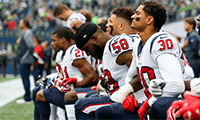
x: 36, y: 111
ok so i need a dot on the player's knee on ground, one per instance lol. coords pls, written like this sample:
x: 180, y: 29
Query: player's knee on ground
x: 71, y: 95
x: 40, y: 96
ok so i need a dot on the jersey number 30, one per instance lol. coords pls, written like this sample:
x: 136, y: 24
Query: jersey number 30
x: 165, y: 44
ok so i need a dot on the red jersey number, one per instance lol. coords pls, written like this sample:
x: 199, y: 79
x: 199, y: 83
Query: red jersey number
x: 79, y: 53
x: 150, y: 73
x: 165, y: 44
x: 122, y: 45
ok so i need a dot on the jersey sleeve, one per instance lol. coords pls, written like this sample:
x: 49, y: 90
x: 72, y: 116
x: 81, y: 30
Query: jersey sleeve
x: 164, y: 45
x: 120, y: 44
x: 58, y: 62
x: 77, y: 54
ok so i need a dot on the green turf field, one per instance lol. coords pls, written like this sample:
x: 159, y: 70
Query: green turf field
x: 14, y: 111
x: 8, y: 77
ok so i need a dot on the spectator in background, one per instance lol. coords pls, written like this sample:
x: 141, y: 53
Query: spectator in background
x: 102, y: 20
x: 25, y: 58
x: 38, y: 65
x: 47, y: 57
x: 14, y: 60
x: 14, y: 64
x: 102, y: 23
x: 3, y: 58
x: 5, y: 25
x: 191, y: 45
x: 102, y: 26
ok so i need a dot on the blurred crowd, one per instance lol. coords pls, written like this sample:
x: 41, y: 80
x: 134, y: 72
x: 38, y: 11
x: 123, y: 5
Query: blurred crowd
x: 43, y: 23
x: 39, y: 12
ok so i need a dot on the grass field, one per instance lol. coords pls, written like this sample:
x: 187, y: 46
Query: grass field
x: 14, y: 111
x: 8, y: 77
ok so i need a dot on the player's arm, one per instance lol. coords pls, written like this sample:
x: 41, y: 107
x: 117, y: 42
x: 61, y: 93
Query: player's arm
x: 87, y: 70
x: 171, y: 72
x: 132, y: 85
x: 125, y: 58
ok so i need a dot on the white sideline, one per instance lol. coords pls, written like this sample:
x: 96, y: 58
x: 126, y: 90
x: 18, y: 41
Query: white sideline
x: 12, y: 89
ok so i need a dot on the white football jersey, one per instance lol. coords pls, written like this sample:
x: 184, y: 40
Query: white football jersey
x: 139, y: 95
x: 188, y: 74
x: 148, y: 60
x: 115, y: 73
x: 73, y: 17
x: 65, y: 59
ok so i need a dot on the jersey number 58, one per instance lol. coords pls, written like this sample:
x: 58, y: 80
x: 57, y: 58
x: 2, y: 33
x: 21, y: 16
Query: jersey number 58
x: 121, y: 45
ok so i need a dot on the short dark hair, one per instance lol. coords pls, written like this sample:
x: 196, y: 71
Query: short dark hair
x: 158, y: 12
x: 26, y: 22
x: 102, y: 26
x: 191, y: 21
x: 38, y: 39
x: 124, y: 12
x: 64, y: 32
x: 59, y: 9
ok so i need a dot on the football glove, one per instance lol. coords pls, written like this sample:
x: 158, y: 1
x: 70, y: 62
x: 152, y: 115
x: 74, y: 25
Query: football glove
x: 143, y: 109
x: 190, y: 109
x: 130, y: 103
x: 42, y: 82
x: 65, y: 88
x: 94, y: 88
x: 57, y: 82
x: 50, y: 83
x: 156, y: 87
x: 69, y: 81
x: 173, y: 108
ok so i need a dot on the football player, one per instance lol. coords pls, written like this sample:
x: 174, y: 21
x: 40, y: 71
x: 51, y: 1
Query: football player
x: 189, y: 107
x: 157, y: 56
x: 73, y: 65
x: 120, y: 23
x: 116, y: 55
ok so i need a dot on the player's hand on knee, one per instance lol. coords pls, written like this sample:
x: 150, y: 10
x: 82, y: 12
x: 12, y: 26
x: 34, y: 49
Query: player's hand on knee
x: 66, y: 88
x: 57, y: 82
x: 190, y: 108
x: 175, y: 106
x: 130, y: 103
x: 190, y: 111
x: 69, y: 81
x: 41, y: 83
x: 156, y: 87
x: 50, y: 83
x: 143, y: 109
